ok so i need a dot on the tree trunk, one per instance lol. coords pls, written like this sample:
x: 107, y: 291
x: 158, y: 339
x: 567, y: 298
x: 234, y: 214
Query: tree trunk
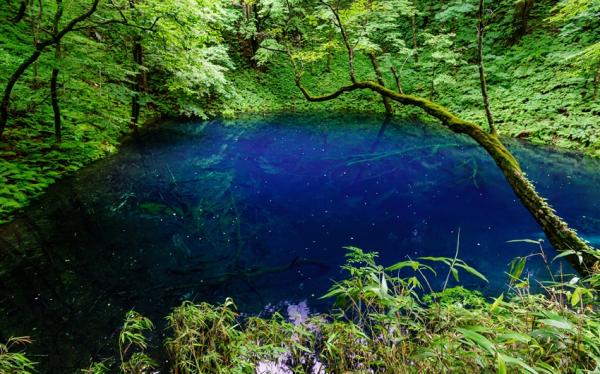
x: 35, y: 21
x: 389, y: 110
x: 55, y: 106
x: 4, y: 106
x: 432, y: 89
x: 561, y: 236
x: 523, y: 9
x: 413, y: 22
x: 138, y: 58
x: 54, y: 77
x: 596, y: 82
x: 482, y: 80
x: 21, y: 12
x: 397, y: 79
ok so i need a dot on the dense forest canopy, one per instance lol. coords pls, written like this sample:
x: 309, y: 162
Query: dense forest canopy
x: 181, y: 57
x: 78, y: 75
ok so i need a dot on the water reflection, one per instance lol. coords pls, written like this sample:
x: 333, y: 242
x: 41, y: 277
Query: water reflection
x: 259, y: 209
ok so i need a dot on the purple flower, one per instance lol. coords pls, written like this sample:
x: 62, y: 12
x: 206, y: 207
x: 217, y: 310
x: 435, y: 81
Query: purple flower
x: 298, y: 313
x: 275, y: 367
x: 318, y: 368
x: 272, y: 367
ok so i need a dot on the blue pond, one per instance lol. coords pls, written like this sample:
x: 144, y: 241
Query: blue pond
x: 260, y: 209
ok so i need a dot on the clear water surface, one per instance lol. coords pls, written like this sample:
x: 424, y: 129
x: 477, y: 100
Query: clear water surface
x: 259, y: 209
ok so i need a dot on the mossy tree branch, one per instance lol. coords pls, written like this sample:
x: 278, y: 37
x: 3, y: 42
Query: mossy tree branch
x: 583, y: 257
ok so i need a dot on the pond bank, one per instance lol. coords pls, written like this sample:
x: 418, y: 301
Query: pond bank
x: 27, y: 168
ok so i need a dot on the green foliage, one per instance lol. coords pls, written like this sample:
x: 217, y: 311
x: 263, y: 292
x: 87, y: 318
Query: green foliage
x: 199, y: 57
x: 203, y: 338
x: 196, y: 63
x: 184, y: 65
x: 386, y: 324
x: 133, y: 343
x: 540, y: 87
x: 15, y: 362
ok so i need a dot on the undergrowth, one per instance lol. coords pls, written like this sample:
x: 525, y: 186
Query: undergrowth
x: 385, y: 320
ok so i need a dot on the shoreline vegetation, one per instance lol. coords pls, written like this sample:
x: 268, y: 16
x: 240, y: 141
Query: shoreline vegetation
x: 81, y: 76
x: 385, y: 320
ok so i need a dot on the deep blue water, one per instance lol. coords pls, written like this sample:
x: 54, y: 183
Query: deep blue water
x: 260, y: 209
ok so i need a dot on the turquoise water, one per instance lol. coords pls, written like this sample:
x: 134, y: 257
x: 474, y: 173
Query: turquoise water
x: 260, y: 209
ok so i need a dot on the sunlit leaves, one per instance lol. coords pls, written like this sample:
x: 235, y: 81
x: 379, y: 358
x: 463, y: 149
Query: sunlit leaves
x: 12, y: 362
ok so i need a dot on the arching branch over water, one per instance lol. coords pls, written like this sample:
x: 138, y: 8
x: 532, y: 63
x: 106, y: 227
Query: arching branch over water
x: 580, y: 254
x: 583, y: 257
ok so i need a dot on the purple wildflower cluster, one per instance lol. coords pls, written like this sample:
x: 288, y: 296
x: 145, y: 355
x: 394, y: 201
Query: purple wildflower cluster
x: 298, y: 314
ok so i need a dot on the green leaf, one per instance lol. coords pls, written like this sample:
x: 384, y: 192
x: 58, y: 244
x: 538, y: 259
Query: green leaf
x: 478, y: 339
x: 519, y: 362
x: 564, y: 254
x: 559, y: 323
x: 404, y: 264
x: 578, y: 295
x: 472, y: 271
x: 516, y: 267
x: 497, y: 302
x: 454, y: 274
x: 501, y: 364
x: 514, y: 337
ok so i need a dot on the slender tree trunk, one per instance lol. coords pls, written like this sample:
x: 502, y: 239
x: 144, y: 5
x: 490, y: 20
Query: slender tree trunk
x: 596, y: 82
x: 389, y: 110
x: 482, y: 80
x: 329, y: 62
x: 413, y: 22
x: 523, y: 10
x: 432, y: 92
x: 4, y: 106
x: 139, y: 81
x: 55, y: 106
x: 39, y: 48
x: 397, y: 79
x: 21, y: 12
x: 330, y: 54
x: 413, y: 25
x: 54, y: 77
x: 252, y: 43
x: 35, y: 26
